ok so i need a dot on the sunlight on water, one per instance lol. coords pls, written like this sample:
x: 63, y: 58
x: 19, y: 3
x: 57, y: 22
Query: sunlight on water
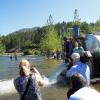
x: 48, y: 82
x: 49, y: 69
x: 7, y: 87
x: 57, y: 71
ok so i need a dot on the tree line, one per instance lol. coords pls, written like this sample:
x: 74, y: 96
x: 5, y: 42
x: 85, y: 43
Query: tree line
x: 42, y: 39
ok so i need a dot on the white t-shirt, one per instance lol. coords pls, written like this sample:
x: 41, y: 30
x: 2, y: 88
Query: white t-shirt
x: 85, y: 93
x: 80, y: 68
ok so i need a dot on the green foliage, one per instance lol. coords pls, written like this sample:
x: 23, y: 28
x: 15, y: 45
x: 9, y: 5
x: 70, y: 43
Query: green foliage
x: 51, y: 41
x: 27, y: 52
x: 37, y: 52
x: 84, y: 27
x: 2, y: 47
x: 76, y: 18
x: 46, y: 38
x: 70, y: 24
x: 28, y: 43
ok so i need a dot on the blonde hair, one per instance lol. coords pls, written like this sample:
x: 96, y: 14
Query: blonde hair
x: 24, y: 67
x: 24, y: 62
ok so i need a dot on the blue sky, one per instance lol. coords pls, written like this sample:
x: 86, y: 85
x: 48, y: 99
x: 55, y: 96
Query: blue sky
x: 18, y: 14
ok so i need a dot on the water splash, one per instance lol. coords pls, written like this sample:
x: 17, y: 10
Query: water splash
x: 57, y: 71
x: 53, y: 78
x: 6, y: 87
x: 48, y: 82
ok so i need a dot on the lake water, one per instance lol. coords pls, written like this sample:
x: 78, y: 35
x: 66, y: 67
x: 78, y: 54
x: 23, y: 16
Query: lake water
x: 9, y: 70
x: 48, y: 68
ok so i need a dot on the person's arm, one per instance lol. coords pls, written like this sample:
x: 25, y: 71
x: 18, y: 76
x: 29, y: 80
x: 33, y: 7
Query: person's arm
x: 36, y: 71
x: 70, y: 72
x: 38, y: 77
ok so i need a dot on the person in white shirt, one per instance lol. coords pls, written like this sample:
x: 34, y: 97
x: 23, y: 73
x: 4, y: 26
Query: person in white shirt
x: 80, y: 90
x: 79, y: 67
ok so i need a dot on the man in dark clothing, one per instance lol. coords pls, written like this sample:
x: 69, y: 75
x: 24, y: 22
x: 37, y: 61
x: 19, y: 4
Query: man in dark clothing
x: 66, y: 49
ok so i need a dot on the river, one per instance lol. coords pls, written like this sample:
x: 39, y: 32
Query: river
x: 9, y: 70
x: 48, y: 69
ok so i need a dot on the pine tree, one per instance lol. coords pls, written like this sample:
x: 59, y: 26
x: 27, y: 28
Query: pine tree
x: 76, y: 18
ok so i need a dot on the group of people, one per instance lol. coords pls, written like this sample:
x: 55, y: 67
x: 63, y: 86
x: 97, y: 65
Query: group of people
x: 79, y: 71
x: 70, y: 46
x: 29, y: 81
x: 15, y: 57
x: 77, y: 46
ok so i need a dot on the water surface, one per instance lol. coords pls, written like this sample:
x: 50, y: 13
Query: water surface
x: 48, y: 68
x: 9, y: 70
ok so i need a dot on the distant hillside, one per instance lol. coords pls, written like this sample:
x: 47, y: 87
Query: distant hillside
x: 20, y: 40
x: 25, y: 30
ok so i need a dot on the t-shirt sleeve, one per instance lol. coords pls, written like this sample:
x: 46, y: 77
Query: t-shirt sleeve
x: 70, y: 72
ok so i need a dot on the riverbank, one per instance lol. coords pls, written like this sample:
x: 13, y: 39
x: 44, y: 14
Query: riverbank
x: 7, y: 54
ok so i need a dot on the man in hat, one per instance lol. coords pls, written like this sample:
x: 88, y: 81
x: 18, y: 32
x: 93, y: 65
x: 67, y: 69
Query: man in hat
x: 79, y: 67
